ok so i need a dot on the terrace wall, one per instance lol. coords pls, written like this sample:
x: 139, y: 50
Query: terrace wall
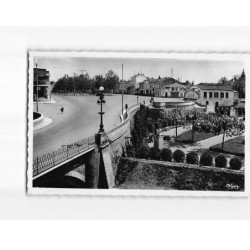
x: 118, y: 136
x: 149, y: 174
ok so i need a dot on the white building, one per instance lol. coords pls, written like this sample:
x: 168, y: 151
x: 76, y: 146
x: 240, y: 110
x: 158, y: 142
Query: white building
x: 137, y: 79
x: 171, y: 90
x: 175, y: 90
x: 214, y: 94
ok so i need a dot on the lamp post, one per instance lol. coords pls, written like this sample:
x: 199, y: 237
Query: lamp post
x: 101, y: 101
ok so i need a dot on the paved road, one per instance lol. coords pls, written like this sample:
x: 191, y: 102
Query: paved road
x: 79, y: 120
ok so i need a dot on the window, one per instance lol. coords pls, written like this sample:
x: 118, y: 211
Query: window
x: 216, y: 95
x: 226, y: 95
x: 205, y: 94
x: 207, y: 102
x: 221, y: 94
x: 210, y: 94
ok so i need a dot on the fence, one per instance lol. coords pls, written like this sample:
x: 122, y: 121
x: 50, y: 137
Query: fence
x: 47, y: 161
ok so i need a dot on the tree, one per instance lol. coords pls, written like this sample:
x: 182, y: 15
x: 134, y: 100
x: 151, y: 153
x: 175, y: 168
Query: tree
x: 84, y: 84
x: 214, y: 123
x: 111, y: 81
x: 239, y: 84
x: 99, y: 81
x: 223, y: 81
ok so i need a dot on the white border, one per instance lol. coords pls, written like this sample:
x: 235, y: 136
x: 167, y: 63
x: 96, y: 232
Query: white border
x: 126, y: 192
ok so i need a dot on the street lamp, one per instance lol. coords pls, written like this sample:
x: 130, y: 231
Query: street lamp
x: 101, y: 101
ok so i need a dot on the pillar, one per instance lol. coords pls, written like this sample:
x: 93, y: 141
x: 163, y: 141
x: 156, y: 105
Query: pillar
x: 156, y: 140
x: 92, y: 168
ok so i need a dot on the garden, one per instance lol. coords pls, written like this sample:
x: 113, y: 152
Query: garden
x: 234, y: 146
x: 199, y: 126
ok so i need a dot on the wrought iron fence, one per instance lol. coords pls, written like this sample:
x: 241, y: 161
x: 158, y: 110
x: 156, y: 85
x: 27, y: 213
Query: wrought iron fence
x: 47, y: 161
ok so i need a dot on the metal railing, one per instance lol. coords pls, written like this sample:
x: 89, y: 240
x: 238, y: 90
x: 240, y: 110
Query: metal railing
x: 50, y: 160
x: 66, y: 152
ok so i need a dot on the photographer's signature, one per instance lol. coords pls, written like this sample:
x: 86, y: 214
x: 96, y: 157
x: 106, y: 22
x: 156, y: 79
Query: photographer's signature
x: 232, y: 186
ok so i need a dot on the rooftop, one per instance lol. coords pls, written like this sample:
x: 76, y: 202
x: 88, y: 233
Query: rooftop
x: 210, y: 86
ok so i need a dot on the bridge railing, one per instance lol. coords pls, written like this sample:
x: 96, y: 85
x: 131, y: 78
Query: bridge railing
x: 50, y: 160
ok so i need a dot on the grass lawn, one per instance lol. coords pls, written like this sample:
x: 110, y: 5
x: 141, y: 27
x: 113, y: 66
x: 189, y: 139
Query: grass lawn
x: 186, y: 137
x: 234, y: 146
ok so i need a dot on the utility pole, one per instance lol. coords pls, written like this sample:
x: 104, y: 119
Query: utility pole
x: 172, y: 73
x: 122, y: 90
x: 36, y: 89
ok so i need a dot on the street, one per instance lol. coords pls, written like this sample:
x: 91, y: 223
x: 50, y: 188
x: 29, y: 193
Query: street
x: 80, y: 119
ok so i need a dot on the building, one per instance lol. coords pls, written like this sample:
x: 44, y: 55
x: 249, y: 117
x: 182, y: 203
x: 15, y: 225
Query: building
x: 161, y: 87
x: 144, y: 88
x: 174, y: 90
x: 42, y: 85
x: 137, y: 79
x: 167, y: 87
x: 213, y: 94
x: 134, y: 85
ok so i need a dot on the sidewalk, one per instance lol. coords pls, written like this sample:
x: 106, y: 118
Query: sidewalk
x: 46, y: 122
x: 46, y: 102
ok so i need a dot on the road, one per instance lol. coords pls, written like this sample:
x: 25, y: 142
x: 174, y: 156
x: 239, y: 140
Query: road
x: 79, y: 120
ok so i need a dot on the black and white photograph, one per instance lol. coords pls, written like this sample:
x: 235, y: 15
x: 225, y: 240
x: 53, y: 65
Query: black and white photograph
x: 136, y: 123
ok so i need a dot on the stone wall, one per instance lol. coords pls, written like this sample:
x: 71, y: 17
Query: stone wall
x: 118, y: 136
x: 173, y: 105
x: 148, y: 174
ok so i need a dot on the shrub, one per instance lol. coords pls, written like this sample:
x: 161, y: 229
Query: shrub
x: 221, y: 161
x: 166, y: 138
x: 151, y: 128
x: 206, y: 159
x: 154, y: 153
x: 166, y: 154
x: 179, y: 155
x: 130, y: 151
x: 192, y: 158
x: 143, y: 152
x: 235, y: 163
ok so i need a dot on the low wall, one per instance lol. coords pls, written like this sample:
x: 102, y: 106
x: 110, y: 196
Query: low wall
x: 148, y: 174
x: 119, y: 135
x: 38, y: 120
x: 171, y: 105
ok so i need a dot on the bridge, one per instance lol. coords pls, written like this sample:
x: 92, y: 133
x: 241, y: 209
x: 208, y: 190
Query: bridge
x: 89, y: 162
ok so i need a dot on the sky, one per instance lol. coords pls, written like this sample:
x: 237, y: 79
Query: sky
x: 191, y: 70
